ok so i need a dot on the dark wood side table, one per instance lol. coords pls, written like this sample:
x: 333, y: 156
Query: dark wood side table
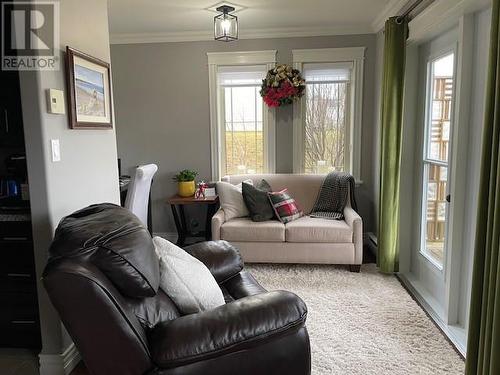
x: 177, y: 204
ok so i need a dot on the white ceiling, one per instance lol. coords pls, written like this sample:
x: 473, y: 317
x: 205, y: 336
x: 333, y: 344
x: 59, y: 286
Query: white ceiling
x: 183, y: 20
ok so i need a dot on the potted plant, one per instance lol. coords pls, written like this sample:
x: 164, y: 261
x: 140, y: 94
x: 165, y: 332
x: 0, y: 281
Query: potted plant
x: 185, y: 182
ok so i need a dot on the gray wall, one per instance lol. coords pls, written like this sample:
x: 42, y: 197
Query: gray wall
x: 87, y: 172
x: 162, y: 110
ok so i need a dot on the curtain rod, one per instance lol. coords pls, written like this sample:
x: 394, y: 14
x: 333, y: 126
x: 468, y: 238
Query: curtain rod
x: 409, y: 10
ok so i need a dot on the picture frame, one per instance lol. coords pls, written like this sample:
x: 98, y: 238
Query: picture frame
x: 89, y: 91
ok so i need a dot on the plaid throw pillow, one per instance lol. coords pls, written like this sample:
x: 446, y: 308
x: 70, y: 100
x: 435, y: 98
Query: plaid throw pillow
x: 284, y: 206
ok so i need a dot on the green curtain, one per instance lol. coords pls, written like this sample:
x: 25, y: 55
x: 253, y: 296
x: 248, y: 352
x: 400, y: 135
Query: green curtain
x: 396, y: 33
x: 483, y: 347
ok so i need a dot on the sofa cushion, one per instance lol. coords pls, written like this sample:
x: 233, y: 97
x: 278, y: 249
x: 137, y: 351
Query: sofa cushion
x: 308, y: 229
x: 257, y: 201
x: 285, y: 207
x: 246, y: 230
x: 304, y: 188
x: 231, y: 199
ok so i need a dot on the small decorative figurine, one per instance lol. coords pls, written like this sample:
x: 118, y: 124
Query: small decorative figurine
x: 200, y: 192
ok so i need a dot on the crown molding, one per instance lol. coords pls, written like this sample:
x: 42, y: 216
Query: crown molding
x: 193, y: 36
x: 440, y: 16
x: 393, y: 8
x: 390, y: 10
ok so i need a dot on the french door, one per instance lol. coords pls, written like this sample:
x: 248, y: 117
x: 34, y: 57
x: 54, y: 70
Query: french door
x: 443, y: 105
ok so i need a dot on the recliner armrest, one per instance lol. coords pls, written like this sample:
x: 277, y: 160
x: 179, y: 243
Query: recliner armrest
x: 236, y: 326
x: 221, y: 258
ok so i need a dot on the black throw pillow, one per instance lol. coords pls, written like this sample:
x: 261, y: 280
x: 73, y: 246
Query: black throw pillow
x: 257, y: 201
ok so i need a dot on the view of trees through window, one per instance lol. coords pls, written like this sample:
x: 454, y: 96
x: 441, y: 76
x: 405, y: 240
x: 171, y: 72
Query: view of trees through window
x: 244, y: 142
x: 325, y: 126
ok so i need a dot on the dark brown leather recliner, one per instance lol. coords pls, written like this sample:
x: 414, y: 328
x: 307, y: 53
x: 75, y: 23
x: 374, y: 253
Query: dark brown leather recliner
x: 103, y: 278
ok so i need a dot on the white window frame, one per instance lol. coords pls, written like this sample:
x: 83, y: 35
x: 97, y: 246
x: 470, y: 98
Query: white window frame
x: 426, y: 161
x: 216, y: 59
x: 356, y: 56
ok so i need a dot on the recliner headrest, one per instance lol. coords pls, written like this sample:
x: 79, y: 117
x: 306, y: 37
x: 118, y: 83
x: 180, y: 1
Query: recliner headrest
x: 114, y: 239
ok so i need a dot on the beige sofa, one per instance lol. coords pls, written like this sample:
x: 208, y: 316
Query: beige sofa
x: 305, y: 240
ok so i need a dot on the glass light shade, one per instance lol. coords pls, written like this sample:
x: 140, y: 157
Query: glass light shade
x: 225, y: 26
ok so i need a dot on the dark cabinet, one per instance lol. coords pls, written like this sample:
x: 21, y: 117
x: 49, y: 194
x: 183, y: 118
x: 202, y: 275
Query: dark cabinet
x: 11, y: 120
x: 19, y: 320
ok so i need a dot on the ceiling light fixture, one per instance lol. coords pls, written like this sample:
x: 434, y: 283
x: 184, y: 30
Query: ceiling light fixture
x: 225, y: 24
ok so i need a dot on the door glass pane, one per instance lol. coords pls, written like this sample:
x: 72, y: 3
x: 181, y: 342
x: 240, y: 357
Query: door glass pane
x: 244, y: 142
x: 440, y: 107
x: 435, y: 220
x: 436, y: 157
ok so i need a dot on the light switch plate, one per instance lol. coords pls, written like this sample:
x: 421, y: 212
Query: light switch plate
x: 56, y: 150
x: 55, y: 101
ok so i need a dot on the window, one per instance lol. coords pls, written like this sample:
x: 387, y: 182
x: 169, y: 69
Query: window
x: 436, y: 157
x: 326, y: 117
x: 242, y: 128
x: 327, y: 123
x: 241, y: 114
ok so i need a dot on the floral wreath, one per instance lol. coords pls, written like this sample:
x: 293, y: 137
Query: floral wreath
x: 282, y: 86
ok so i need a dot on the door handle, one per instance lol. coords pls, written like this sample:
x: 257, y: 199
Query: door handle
x: 448, y: 198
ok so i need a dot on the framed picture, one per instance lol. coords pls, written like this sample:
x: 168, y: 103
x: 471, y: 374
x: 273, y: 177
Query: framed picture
x: 89, y: 91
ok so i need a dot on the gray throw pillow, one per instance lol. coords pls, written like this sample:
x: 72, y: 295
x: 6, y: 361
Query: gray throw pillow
x: 257, y: 201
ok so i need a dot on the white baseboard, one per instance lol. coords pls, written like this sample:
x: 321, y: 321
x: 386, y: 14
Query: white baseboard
x: 455, y: 334
x: 59, y: 364
x: 71, y: 357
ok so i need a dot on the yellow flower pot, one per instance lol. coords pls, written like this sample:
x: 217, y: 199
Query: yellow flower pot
x: 186, y: 188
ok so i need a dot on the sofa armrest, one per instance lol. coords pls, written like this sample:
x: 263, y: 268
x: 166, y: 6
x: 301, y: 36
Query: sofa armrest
x: 217, y: 220
x: 221, y: 258
x: 356, y: 223
x: 240, y: 325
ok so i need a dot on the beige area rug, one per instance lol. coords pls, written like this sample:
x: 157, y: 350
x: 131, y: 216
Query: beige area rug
x: 363, y: 323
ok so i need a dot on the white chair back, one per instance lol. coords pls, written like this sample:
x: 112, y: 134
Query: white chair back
x: 138, y: 193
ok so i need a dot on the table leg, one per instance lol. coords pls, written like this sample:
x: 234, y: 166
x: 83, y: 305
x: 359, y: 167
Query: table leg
x: 150, y: 217
x: 208, y: 224
x: 179, y: 225
x: 183, y: 220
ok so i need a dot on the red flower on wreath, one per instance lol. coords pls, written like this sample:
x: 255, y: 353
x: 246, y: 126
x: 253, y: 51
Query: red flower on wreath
x: 274, y: 95
x: 282, y: 86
